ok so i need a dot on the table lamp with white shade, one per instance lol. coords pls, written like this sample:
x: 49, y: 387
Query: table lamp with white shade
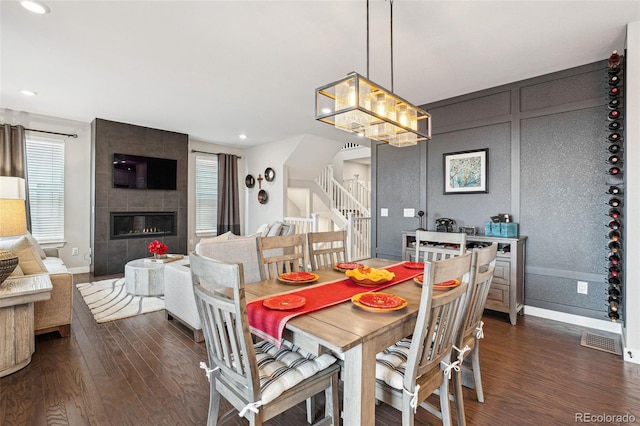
x: 13, y: 219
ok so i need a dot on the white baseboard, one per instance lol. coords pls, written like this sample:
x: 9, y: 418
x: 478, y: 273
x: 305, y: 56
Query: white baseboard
x: 591, y: 323
x: 79, y: 270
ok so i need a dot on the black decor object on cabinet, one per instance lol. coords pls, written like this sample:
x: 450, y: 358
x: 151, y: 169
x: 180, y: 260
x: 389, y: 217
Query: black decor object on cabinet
x: 615, y: 181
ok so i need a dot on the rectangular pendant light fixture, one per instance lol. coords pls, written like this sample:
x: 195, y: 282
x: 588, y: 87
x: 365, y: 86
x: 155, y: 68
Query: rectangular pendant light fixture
x: 356, y: 104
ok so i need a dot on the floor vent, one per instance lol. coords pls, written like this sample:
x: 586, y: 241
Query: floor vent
x: 602, y: 343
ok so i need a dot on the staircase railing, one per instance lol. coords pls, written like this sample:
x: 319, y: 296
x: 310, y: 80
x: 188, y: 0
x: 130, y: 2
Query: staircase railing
x: 359, y: 190
x: 358, y: 233
x: 358, y: 237
x: 304, y: 225
x: 343, y: 201
x: 353, y: 206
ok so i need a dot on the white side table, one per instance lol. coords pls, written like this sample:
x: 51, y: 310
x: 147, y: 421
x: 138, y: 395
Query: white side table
x: 16, y: 314
x: 144, y: 278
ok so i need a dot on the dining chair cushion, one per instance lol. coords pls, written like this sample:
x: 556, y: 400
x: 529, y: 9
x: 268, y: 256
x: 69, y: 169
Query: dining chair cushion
x: 281, y: 369
x: 391, y: 362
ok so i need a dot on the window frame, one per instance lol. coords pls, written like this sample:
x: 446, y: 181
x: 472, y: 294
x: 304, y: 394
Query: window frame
x: 211, y: 190
x: 51, y: 198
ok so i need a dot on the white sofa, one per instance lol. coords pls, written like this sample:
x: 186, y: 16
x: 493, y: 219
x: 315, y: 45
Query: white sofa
x: 180, y: 304
x: 179, y: 300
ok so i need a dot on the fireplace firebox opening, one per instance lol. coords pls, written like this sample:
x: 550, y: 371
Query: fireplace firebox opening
x: 142, y: 224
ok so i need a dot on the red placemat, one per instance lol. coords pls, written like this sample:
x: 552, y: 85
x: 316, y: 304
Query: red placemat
x: 269, y: 324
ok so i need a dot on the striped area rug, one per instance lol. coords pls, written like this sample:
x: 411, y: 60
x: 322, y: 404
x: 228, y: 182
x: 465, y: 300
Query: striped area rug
x: 109, y: 301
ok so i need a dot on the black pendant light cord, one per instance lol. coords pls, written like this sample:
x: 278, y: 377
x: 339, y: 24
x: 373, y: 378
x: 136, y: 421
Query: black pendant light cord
x: 391, y: 37
x: 367, y: 39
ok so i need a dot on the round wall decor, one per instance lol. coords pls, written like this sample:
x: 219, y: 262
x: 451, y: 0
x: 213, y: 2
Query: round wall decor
x: 269, y: 174
x: 249, y: 181
x: 263, y: 197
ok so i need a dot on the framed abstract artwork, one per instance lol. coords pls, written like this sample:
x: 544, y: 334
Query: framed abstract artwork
x: 465, y: 172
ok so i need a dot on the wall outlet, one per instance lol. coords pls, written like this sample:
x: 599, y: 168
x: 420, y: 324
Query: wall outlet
x: 583, y: 287
x: 409, y: 212
x: 384, y: 212
x: 74, y: 251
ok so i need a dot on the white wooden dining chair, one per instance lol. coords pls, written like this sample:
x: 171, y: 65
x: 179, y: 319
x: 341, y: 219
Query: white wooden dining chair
x: 408, y: 372
x: 483, y: 263
x: 259, y: 380
x: 280, y: 254
x: 432, y: 245
x: 327, y: 248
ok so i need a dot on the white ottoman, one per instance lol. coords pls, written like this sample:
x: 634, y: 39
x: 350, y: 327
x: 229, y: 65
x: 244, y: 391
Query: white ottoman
x: 180, y: 304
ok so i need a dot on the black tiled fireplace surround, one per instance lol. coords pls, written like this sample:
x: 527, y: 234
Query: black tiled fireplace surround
x: 109, y: 255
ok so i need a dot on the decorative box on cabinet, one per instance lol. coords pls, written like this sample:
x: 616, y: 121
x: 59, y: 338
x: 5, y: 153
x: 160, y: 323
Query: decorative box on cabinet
x: 507, y: 288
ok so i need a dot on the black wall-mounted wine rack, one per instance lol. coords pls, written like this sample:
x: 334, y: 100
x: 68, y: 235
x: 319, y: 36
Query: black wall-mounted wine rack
x: 615, y: 187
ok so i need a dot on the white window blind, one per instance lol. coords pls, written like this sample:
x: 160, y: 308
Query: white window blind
x: 45, y: 176
x: 206, y: 195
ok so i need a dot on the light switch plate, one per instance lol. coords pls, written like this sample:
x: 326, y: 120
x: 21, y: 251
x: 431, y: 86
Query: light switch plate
x: 384, y: 212
x: 583, y: 287
x: 409, y: 212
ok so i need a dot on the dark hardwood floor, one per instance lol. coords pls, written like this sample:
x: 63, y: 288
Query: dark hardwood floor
x: 144, y: 371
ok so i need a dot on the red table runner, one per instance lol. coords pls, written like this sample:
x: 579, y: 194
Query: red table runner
x: 269, y: 324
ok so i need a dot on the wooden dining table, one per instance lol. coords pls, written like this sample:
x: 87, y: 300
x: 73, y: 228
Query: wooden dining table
x: 353, y: 334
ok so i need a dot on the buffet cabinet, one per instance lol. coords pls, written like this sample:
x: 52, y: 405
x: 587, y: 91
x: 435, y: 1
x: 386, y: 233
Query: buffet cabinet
x: 507, y: 288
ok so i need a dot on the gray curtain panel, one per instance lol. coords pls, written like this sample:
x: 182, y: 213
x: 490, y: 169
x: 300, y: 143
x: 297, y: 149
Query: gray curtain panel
x: 13, y: 158
x: 228, y: 197
x: 13, y: 151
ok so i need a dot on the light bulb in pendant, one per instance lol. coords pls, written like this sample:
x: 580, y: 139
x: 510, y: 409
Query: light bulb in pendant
x: 403, y: 118
x: 381, y: 105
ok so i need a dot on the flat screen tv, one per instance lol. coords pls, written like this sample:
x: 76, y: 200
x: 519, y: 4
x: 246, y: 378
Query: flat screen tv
x: 137, y: 172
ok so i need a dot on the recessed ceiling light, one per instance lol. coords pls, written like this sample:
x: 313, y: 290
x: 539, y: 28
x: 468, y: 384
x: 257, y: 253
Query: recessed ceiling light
x: 242, y: 136
x: 326, y: 110
x: 28, y: 92
x: 35, y: 6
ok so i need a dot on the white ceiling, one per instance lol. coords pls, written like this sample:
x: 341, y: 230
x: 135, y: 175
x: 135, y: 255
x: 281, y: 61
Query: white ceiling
x: 214, y: 69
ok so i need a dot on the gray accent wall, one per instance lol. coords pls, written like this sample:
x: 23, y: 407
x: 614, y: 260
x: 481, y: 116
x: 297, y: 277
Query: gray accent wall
x: 496, y: 137
x: 109, y: 137
x: 397, y: 183
x: 546, y: 166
